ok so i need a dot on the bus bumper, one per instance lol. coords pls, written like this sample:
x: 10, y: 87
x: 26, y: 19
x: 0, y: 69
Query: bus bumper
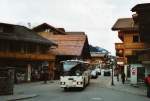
x: 70, y: 85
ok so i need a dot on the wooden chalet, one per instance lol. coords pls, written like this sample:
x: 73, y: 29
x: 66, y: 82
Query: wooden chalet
x: 98, y: 58
x: 70, y: 46
x: 142, y: 18
x: 128, y: 32
x: 24, y: 50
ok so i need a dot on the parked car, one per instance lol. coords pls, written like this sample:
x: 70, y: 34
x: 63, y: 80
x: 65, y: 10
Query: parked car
x: 98, y: 70
x: 107, y: 72
x: 94, y: 74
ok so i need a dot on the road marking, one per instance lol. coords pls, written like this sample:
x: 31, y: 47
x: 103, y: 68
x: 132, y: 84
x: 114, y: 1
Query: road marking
x: 97, y: 98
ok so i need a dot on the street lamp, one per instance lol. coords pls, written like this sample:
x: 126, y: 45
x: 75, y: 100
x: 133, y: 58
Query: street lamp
x: 112, y: 67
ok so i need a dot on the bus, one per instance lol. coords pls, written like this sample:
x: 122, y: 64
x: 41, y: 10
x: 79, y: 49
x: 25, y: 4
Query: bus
x: 75, y: 74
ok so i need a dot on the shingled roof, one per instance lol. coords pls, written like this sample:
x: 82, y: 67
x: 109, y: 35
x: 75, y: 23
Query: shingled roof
x: 141, y: 7
x: 21, y: 33
x: 126, y: 24
x: 44, y: 26
x: 70, y: 45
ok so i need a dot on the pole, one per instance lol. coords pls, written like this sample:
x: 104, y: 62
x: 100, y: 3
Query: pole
x: 112, y: 82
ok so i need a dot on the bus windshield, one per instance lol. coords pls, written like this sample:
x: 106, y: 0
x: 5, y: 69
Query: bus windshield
x: 73, y: 68
x: 67, y: 66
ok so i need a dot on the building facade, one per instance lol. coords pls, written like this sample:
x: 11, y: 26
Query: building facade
x: 24, y: 50
x: 127, y: 59
x: 141, y: 16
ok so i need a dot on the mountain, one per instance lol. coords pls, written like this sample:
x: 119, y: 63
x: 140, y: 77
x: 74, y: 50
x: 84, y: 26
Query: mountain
x: 98, y: 49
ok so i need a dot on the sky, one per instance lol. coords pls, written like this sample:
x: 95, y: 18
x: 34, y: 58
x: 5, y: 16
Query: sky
x: 94, y: 17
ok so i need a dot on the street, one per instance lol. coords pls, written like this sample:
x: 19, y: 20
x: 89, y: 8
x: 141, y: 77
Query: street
x: 98, y: 90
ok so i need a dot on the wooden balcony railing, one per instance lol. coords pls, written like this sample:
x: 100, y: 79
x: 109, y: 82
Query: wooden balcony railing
x: 24, y: 56
x: 134, y: 45
x: 128, y: 52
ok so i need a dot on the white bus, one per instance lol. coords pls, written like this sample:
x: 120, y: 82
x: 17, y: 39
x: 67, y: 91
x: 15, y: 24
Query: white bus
x: 75, y: 74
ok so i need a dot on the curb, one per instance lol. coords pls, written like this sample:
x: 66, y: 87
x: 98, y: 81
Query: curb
x: 20, y: 97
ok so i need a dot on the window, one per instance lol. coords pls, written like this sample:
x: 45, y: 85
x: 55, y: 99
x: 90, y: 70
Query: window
x: 135, y: 38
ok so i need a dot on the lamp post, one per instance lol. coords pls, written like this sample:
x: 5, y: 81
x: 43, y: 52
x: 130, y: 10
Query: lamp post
x: 112, y: 67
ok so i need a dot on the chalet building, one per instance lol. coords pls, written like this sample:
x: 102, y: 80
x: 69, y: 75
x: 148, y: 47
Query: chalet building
x: 127, y: 58
x: 71, y: 45
x: 24, y: 50
x: 141, y: 16
x: 98, y: 58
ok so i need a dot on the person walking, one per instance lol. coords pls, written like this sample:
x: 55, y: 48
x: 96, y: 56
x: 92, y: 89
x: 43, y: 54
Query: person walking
x: 123, y: 77
x: 147, y: 82
x: 117, y: 75
x: 45, y: 76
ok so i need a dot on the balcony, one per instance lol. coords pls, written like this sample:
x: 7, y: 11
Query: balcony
x: 119, y: 45
x: 128, y: 52
x: 24, y: 56
x: 134, y: 46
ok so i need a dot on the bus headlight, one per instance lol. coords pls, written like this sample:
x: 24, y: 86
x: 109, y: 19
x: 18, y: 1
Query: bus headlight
x: 62, y: 83
x: 79, y: 83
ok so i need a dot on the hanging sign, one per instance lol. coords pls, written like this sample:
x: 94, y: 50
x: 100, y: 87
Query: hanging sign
x: 133, y: 71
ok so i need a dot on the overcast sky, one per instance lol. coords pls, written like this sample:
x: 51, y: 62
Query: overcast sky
x: 94, y: 17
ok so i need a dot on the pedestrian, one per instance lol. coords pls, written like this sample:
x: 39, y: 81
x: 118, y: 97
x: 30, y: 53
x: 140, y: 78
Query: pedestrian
x: 123, y: 77
x: 147, y: 82
x: 117, y: 74
x: 117, y: 77
x: 51, y: 76
x: 45, y: 76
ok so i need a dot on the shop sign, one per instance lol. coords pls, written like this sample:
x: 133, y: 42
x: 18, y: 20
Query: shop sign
x: 133, y: 71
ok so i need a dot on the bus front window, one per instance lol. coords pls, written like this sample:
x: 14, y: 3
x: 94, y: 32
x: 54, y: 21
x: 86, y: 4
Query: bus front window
x: 67, y: 66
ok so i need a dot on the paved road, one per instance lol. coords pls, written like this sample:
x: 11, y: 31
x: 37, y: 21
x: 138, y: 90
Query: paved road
x: 98, y: 90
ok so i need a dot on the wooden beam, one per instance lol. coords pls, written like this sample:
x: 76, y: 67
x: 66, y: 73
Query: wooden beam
x: 30, y: 57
